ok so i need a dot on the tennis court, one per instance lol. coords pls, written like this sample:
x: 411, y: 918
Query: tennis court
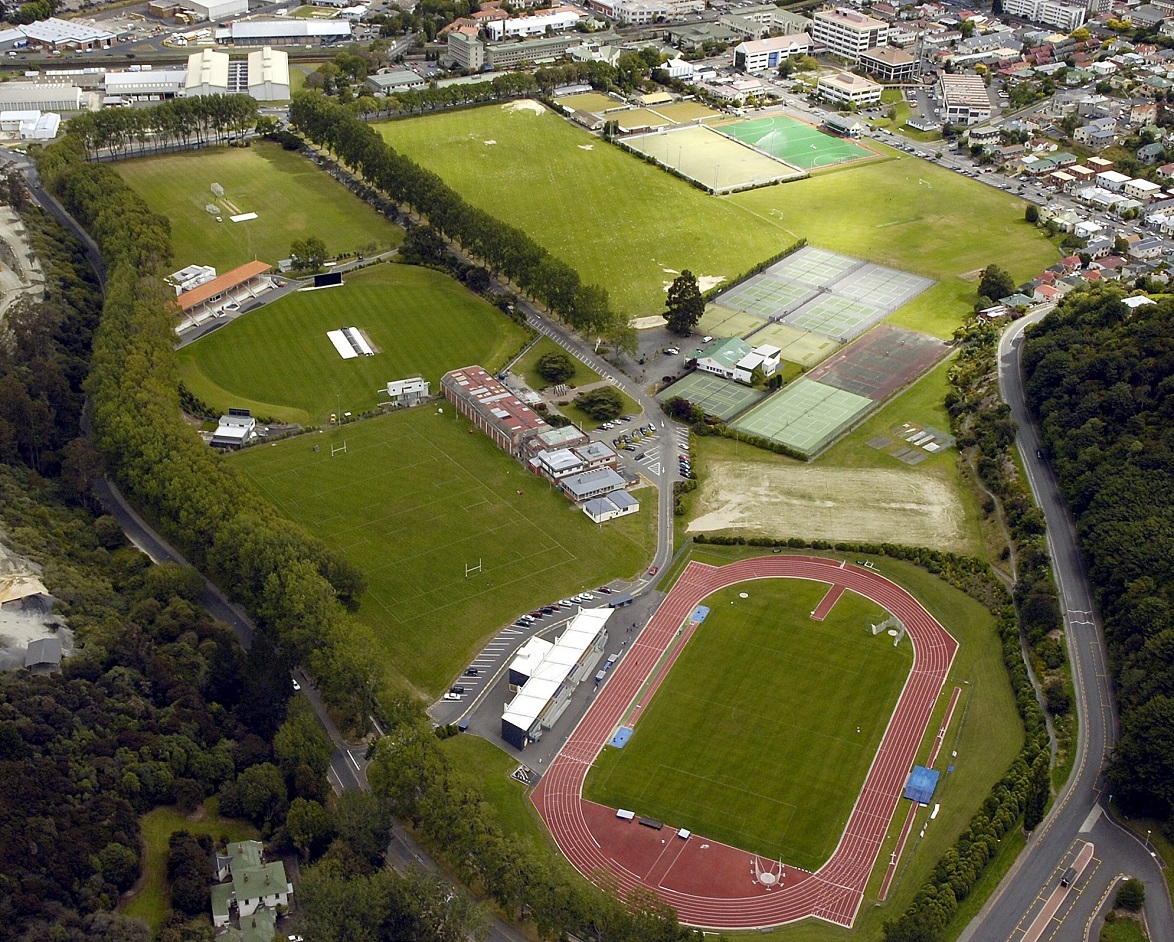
x: 718, y: 321
x: 805, y: 415
x: 795, y: 142
x: 591, y: 102
x: 881, y: 362
x: 718, y: 397
x: 798, y: 346
x: 826, y: 293
x: 706, y: 157
x: 681, y: 112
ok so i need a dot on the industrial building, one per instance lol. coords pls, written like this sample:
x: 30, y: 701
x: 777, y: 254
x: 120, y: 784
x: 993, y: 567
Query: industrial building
x: 262, y: 75
x: 215, y: 9
x: 610, y: 506
x: 30, y: 125
x: 146, y: 85
x: 489, y: 405
x: 545, y: 675
x: 32, y: 96
x: 285, y: 31
x: 56, y: 34
x: 396, y: 80
x: 847, y: 33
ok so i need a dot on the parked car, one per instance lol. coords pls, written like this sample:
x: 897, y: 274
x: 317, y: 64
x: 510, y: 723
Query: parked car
x: 452, y: 696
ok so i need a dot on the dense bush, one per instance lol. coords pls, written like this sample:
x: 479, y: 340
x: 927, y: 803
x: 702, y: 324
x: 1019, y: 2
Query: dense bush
x: 1100, y: 377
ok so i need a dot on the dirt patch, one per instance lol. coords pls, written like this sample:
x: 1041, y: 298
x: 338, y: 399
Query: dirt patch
x: 971, y: 275
x: 526, y: 104
x: 829, y: 504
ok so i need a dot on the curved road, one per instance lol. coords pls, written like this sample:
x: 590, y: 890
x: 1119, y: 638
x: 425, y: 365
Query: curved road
x: 1079, y: 811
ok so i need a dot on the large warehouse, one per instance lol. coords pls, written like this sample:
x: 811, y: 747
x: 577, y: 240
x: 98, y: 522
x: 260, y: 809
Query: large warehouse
x: 286, y: 31
x: 31, y: 96
x: 263, y: 75
x: 545, y: 676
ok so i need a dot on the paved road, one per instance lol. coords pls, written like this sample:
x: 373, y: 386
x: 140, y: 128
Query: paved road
x: 1078, y: 814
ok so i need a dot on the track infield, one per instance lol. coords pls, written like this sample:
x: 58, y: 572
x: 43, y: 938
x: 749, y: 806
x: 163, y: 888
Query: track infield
x: 714, y: 885
x: 755, y: 681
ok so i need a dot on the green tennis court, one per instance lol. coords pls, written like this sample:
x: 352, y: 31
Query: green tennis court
x: 799, y: 144
x: 805, y: 415
x: 718, y: 321
x: 797, y: 345
x: 719, y: 397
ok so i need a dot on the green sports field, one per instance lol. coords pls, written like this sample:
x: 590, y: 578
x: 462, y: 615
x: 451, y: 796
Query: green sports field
x: 279, y: 362
x: 417, y: 495
x: 798, y: 143
x: 621, y: 222
x: 752, y: 738
x: 293, y: 199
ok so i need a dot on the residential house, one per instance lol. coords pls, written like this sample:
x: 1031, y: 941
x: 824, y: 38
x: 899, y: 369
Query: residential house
x: 252, y: 883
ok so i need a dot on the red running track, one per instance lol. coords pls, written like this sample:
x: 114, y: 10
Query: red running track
x: 707, y: 883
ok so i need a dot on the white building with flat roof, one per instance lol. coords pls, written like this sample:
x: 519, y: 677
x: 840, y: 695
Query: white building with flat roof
x: 1065, y: 16
x: 31, y: 125
x: 285, y: 31
x: 54, y: 33
x: 965, y: 99
x: 519, y: 27
x: 757, y: 55
x: 848, y: 33
x: 155, y: 85
x: 848, y: 88
x: 33, y: 96
x: 546, y: 675
x: 215, y: 9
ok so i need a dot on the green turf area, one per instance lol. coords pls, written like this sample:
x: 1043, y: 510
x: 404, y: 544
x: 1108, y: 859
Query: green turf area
x: 740, y: 743
x: 527, y: 366
x: 150, y: 902
x: 619, y: 221
x: 798, y: 143
x: 640, y: 118
x: 679, y: 112
x: 590, y: 102
x: 292, y: 198
x: 912, y: 215
x: 1123, y: 930
x: 504, y: 795
x: 279, y: 362
x: 417, y: 496
x: 986, y: 734
x: 720, y: 397
x: 798, y: 346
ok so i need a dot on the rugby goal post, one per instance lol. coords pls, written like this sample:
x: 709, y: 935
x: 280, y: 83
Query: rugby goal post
x: 338, y: 449
x: 471, y: 569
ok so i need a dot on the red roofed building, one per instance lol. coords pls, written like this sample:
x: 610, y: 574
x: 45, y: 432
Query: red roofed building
x: 492, y: 408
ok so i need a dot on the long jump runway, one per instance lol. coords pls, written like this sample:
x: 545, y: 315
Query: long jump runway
x: 713, y: 885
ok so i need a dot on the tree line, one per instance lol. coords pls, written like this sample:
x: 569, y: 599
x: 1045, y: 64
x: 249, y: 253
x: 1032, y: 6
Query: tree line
x: 1100, y: 379
x: 295, y: 587
x: 185, y: 122
x: 505, y: 249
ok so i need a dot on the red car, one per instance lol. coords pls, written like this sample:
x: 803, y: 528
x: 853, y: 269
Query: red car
x: 654, y: 570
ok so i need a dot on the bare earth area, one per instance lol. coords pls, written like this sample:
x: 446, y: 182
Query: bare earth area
x: 869, y: 506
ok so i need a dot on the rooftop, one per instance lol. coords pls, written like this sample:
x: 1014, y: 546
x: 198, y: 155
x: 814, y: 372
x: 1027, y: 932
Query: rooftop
x: 226, y: 282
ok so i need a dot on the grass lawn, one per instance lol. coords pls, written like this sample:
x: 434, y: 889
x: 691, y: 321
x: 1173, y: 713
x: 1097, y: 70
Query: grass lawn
x: 150, y: 903
x: 756, y: 681
x: 279, y: 362
x: 912, y: 215
x: 619, y: 221
x: 418, y: 495
x: 527, y: 366
x: 292, y: 198
x: 506, y: 796
x: 1123, y: 930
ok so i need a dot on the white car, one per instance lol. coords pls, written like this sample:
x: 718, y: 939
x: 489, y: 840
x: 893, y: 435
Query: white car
x: 452, y: 696
x: 565, y: 603
x: 296, y: 685
x: 587, y: 596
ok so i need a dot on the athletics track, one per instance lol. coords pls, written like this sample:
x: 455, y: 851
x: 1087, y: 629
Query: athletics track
x: 710, y: 884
